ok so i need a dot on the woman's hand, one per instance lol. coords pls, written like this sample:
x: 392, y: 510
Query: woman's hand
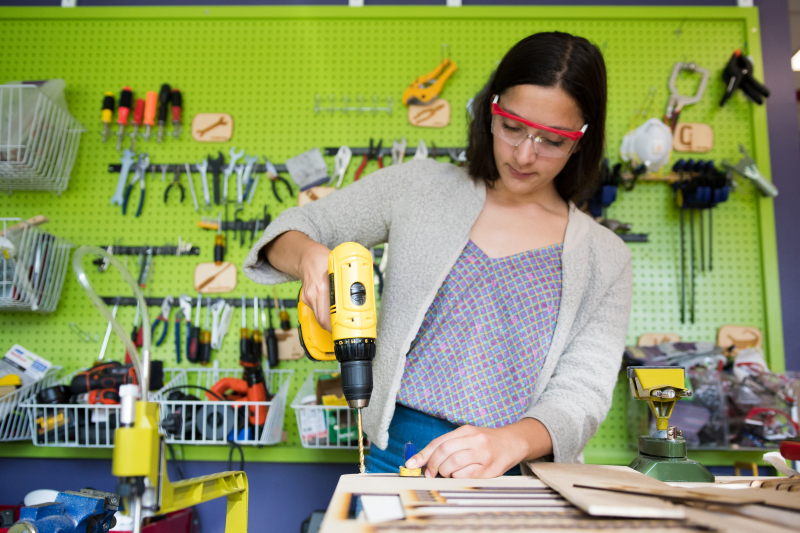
x: 475, y: 452
x: 316, y: 286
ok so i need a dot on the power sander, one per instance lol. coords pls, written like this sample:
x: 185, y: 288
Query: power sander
x: 353, y: 320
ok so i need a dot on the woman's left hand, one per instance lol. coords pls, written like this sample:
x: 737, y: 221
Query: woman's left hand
x: 475, y: 452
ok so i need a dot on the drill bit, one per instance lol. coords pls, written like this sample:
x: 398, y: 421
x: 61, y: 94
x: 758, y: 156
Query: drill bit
x: 360, y: 442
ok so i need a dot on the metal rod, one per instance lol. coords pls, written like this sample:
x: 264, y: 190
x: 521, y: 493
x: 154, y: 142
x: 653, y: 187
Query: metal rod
x: 683, y: 271
x: 181, y: 167
x: 157, y: 301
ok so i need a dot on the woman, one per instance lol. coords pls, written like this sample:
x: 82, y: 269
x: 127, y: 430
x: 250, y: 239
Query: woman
x: 505, y: 308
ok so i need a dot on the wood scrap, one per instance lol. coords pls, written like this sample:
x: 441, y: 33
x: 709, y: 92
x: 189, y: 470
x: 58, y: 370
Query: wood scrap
x: 34, y: 221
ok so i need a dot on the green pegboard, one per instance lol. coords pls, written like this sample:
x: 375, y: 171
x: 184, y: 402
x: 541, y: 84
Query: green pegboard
x: 265, y: 65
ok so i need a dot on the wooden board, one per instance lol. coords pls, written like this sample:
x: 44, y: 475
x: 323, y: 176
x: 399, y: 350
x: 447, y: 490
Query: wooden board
x: 740, y: 337
x: 693, y: 138
x: 211, y: 278
x: 653, y: 339
x: 313, y: 194
x: 212, y: 127
x: 433, y: 115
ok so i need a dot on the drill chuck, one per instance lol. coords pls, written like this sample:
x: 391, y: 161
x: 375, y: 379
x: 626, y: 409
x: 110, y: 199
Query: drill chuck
x: 357, y: 383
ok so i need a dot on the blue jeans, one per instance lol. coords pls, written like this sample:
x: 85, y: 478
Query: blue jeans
x: 409, y: 425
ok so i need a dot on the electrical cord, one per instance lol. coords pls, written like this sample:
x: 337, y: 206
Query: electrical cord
x: 178, y: 387
x: 235, y: 446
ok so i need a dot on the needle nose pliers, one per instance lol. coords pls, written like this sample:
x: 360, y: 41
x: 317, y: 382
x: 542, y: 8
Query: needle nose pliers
x: 373, y: 152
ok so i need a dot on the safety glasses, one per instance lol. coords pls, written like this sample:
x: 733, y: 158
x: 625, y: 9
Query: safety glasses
x: 547, y: 141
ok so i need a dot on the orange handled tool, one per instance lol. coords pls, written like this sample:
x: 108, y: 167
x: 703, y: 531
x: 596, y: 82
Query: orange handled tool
x: 150, y: 105
x: 250, y: 389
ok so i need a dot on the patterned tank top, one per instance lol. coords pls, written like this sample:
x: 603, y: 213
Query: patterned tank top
x: 478, y: 353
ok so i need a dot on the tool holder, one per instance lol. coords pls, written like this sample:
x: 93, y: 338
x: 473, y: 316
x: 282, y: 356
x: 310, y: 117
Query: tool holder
x: 220, y: 422
x: 38, y: 140
x: 346, y: 107
x: 14, y: 423
x: 32, y: 276
x: 235, y: 302
x: 159, y: 168
x: 433, y: 152
x: 324, y: 426
x: 154, y: 250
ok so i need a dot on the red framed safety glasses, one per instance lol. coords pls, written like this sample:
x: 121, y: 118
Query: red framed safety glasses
x: 571, y: 135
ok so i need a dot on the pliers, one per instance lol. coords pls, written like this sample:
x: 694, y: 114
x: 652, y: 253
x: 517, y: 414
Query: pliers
x: 272, y: 172
x: 166, y: 307
x: 141, y: 169
x: 176, y: 180
x: 185, y: 303
x: 373, y: 152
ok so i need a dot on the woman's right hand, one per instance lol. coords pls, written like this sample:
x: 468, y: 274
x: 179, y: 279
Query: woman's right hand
x: 316, y: 286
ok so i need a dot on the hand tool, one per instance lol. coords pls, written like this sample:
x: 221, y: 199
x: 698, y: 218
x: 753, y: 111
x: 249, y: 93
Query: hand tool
x: 202, y: 168
x: 164, y: 173
x: 748, y: 169
x: 422, y: 150
x: 274, y: 177
x: 224, y: 323
x: 282, y: 314
x: 738, y: 74
x: 191, y: 187
x: 662, y: 455
x: 176, y: 180
x: 216, y: 312
x: 194, y: 340
x: 235, y: 156
x: 352, y: 302
x: 247, y: 180
x: 136, y: 336
x: 127, y: 163
x: 251, y: 187
x: 239, y: 185
x: 162, y: 318
x: 141, y: 169
x: 138, y: 115
x: 107, y: 113
x: 374, y: 152
x: 185, y: 303
x: 677, y: 101
x: 219, y: 243
x: 216, y: 168
x: 245, y: 341
x: 398, y: 151
x: 456, y: 157
x: 256, y: 342
x: 679, y: 167
x: 177, y: 108
x: 108, y: 333
x: 204, y: 350
x: 340, y: 164
x: 426, y: 88
x: 95, y: 397
x: 179, y: 317
x: 163, y: 99
x: 123, y: 110
x: 269, y: 336
x: 151, y: 100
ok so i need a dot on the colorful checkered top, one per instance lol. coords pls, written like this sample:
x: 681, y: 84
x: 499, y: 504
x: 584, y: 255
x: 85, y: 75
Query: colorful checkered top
x: 477, y: 355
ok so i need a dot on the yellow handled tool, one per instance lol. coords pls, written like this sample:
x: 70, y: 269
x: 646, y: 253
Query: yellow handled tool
x: 426, y: 88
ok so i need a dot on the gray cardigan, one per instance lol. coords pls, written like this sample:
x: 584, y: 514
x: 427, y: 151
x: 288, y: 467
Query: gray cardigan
x: 425, y: 210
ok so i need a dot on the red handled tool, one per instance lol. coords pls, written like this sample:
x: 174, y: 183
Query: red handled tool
x: 138, y: 116
x: 124, y: 109
x: 177, y: 109
x: 373, y: 152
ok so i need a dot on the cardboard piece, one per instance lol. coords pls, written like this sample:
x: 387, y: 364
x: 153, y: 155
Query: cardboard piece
x: 654, y: 339
x: 313, y: 194
x: 213, y: 278
x: 692, y: 138
x: 433, y: 115
x: 212, y: 127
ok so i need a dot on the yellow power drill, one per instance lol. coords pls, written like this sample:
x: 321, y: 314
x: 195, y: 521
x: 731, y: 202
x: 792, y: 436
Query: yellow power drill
x: 353, y: 320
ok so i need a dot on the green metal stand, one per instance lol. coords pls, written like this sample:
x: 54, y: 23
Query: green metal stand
x: 666, y: 460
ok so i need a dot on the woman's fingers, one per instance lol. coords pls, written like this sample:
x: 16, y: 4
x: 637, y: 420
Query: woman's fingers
x: 459, y: 461
x: 444, y: 451
x: 421, y: 458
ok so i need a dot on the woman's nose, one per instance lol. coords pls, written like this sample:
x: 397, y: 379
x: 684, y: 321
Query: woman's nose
x: 525, y: 152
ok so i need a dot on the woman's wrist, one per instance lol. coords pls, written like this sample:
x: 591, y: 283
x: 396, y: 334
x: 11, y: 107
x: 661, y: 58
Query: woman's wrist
x: 529, y: 440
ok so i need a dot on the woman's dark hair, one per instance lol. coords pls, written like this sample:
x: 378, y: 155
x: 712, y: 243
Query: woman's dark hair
x: 552, y: 59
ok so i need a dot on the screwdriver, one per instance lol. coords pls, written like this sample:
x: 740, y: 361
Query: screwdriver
x: 219, y: 243
x: 284, y: 316
x: 149, y: 113
x: 255, y: 346
x: 163, y: 100
x: 271, y: 340
x: 125, y: 101
x: 245, y: 342
x: 177, y: 107
x: 204, y: 355
x: 107, y: 113
x: 137, y: 336
x: 194, y: 335
x: 138, y: 114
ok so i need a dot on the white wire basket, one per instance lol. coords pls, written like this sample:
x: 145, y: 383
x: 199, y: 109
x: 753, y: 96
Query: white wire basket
x: 220, y: 422
x: 32, y: 273
x: 38, y: 138
x: 324, y: 426
x: 14, y: 424
x: 76, y: 425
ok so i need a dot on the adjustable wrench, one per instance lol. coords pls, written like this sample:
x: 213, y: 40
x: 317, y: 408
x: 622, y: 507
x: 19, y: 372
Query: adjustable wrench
x: 127, y: 163
x: 216, y: 169
x: 239, y: 184
x: 202, y: 168
x: 229, y: 170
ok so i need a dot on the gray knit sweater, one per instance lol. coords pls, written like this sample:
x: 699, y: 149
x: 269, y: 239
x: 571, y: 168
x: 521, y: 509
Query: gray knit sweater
x: 425, y: 211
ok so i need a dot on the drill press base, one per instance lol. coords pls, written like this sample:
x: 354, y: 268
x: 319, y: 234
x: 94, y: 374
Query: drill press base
x: 666, y: 460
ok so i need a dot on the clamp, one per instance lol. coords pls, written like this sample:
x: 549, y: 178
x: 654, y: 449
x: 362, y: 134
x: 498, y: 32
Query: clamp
x: 738, y: 74
x: 373, y: 152
x: 677, y: 101
x: 141, y: 170
x: 340, y: 164
x: 426, y: 88
x: 163, y: 317
x: 272, y: 172
x: 176, y: 180
x: 748, y: 169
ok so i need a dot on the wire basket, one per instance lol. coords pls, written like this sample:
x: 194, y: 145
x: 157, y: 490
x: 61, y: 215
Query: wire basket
x: 14, y: 423
x: 220, y: 422
x: 324, y: 426
x: 38, y: 137
x: 32, y: 272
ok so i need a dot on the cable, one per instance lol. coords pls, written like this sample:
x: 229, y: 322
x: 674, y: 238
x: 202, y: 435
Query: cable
x: 235, y: 446
x: 142, y: 373
x: 178, y: 387
x: 176, y: 462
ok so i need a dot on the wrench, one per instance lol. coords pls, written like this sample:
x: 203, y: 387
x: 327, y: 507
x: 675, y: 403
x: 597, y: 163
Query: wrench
x: 216, y: 311
x: 191, y: 187
x: 216, y: 168
x: 251, y: 162
x: 239, y: 184
x: 229, y: 170
x: 251, y: 189
x: 127, y: 163
x: 202, y: 168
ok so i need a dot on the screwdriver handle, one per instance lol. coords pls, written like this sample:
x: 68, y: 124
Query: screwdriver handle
x: 138, y: 112
x: 163, y: 99
x: 150, y: 108
x: 204, y: 350
x: 108, y: 108
x: 272, y: 348
x: 194, y: 340
x: 125, y: 101
x: 177, y: 105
